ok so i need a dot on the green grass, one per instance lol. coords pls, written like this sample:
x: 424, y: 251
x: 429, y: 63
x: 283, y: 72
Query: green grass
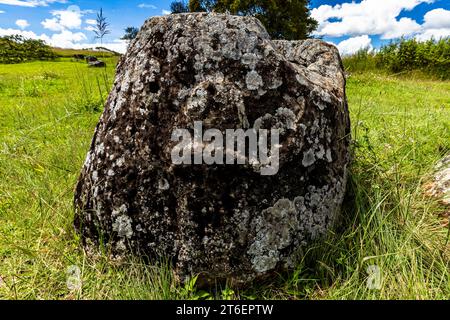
x: 401, y: 127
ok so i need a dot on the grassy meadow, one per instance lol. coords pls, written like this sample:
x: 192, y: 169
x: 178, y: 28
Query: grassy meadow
x: 400, y: 127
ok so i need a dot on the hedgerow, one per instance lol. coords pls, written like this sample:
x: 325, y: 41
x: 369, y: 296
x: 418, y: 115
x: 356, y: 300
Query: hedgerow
x: 17, y: 49
x: 431, y: 57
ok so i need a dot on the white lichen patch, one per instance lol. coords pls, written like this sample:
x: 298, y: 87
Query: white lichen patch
x: 120, y: 246
x: 329, y: 156
x: 123, y: 227
x: 163, y: 184
x: 309, y: 158
x: 122, y: 210
x: 198, y: 100
x: 120, y: 162
x: 321, y: 153
x: 250, y: 59
x: 253, y: 80
x: 295, y: 223
x: 275, y: 228
x: 283, y: 120
x: 302, y: 79
x: 88, y: 160
x: 242, y: 115
x: 286, y: 119
x: 100, y: 149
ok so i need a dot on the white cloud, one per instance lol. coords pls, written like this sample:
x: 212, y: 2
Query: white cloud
x: 436, y: 25
x: 166, y: 12
x: 66, y: 39
x: 70, y: 18
x: 369, y: 17
x: 22, y: 24
x: 437, y: 18
x: 355, y: 44
x: 87, y: 11
x: 91, y: 21
x: 64, y: 19
x: 434, y: 33
x: 52, y: 24
x: 30, y: 3
x: 379, y: 17
x: 2, y: 11
x: 147, y: 6
x: 26, y: 34
x: 403, y: 27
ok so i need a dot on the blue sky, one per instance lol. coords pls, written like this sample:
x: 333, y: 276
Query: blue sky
x: 349, y: 25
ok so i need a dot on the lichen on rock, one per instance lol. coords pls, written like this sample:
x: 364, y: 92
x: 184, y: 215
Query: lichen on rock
x: 440, y: 186
x: 219, y: 221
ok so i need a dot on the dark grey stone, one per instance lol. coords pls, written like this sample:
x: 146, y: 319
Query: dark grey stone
x: 219, y: 221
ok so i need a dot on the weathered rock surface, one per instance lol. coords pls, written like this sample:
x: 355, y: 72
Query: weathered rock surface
x: 220, y: 221
x: 440, y: 186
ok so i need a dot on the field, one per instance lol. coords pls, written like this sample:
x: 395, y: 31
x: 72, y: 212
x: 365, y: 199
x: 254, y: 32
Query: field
x: 69, y: 53
x: 400, y: 127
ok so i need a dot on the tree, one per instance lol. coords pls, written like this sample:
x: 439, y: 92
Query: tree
x: 179, y: 7
x: 202, y: 5
x: 283, y: 19
x: 16, y: 48
x: 101, y: 28
x: 130, y: 33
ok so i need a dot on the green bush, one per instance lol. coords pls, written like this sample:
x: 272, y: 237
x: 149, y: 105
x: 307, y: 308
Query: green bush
x: 17, y: 49
x: 431, y: 57
x: 363, y: 60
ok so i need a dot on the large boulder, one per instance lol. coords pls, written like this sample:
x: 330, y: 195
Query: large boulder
x: 439, y: 187
x: 235, y: 222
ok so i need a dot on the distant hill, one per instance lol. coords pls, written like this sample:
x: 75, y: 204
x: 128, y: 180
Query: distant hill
x: 68, y: 53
